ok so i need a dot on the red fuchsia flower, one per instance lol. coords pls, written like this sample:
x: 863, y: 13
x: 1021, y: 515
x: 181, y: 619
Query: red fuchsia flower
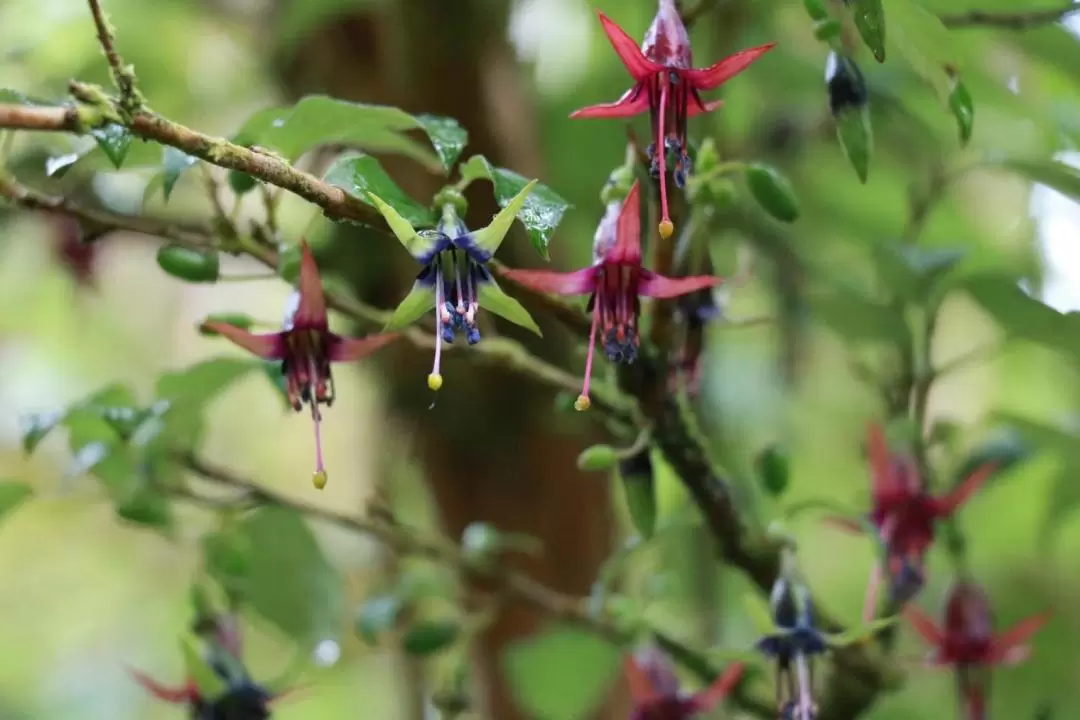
x: 615, y: 282
x: 232, y: 695
x: 906, y: 516
x: 668, y: 87
x: 306, y: 348
x: 968, y: 643
x: 655, y: 690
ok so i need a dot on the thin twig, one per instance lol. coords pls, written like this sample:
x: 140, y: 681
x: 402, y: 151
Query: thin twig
x: 403, y: 541
x: 123, y: 75
x: 1022, y: 20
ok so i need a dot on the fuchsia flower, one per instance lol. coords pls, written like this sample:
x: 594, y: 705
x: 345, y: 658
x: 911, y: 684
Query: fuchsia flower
x: 668, y: 87
x: 906, y: 516
x: 655, y: 691
x: 306, y: 348
x: 235, y: 695
x: 968, y: 643
x: 615, y: 282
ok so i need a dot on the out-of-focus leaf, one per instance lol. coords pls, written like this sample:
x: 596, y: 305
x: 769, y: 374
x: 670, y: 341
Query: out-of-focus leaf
x: 772, y: 191
x: 773, y: 470
x: 320, y: 120
x: 290, y: 581
x: 1018, y: 314
x: 207, y: 681
x: 37, y: 425
x: 870, y: 22
x: 241, y: 183
x: 174, y: 163
x: 919, y: 36
x: 378, y: 615
x: 1055, y: 175
x: 359, y: 174
x: 447, y: 137
x: 543, y: 210
x: 597, y: 458
x: 12, y: 495
x: 561, y: 674
x: 856, y: 136
x: 816, y: 10
x: 188, y: 391
x: 911, y: 271
x: 146, y: 506
x: 858, y: 318
x: 57, y: 165
x: 1005, y: 448
x: 114, y: 140
x: 227, y: 554
x: 427, y: 637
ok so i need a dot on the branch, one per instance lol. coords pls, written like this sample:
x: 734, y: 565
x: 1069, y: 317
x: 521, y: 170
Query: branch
x: 123, y: 75
x: 516, y: 585
x: 258, y: 163
x: 1023, y: 20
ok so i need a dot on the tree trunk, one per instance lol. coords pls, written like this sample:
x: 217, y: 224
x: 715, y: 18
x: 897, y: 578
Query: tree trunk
x: 491, y: 448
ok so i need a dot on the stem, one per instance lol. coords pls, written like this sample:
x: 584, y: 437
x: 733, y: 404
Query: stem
x: 1008, y: 20
x: 123, y: 76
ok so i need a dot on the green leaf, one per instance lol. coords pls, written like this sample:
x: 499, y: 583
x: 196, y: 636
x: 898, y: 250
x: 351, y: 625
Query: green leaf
x: 920, y: 38
x: 447, y: 137
x: 240, y: 182
x: 288, y: 267
x: 291, y: 583
x: 858, y: 318
x: 772, y: 191
x: 856, y: 136
x: 963, y: 109
x: 913, y: 272
x: 188, y: 391
x: 227, y: 555
x: 1055, y: 175
x: 175, y: 163
x: 597, y: 458
x: 561, y: 674
x: 320, y: 120
x: 378, y: 615
x: 358, y: 174
x: 36, y: 426
x: 870, y: 22
x: 773, y: 470
x: 1005, y: 448
x: 639, y: 489
x: 816, y: 10
x: 189, y: 264
x: 208, y: 682
x: 148, y: 507
x: 114, y: 140
x: 1018, y: 314
x: 543, y: 210
x: 760, y: 615
x: 58, y: 165
x: 828, y: 30
x: 430, y: 636
x: 12, y: 495
x: 492, y: 298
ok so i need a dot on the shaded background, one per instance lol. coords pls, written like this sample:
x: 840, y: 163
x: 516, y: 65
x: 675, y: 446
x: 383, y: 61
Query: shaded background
x: 83, y: 595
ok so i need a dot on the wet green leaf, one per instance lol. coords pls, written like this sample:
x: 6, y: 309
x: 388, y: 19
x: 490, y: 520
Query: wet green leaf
x: 561, y: 674
x: 309, y: 606
x: 12, y: 495
x: 772, y: 191
x: 359, y: 174
x: 174, y: 163
x: 114, y: 140
x: 240, y: 182
x: 597, y: 458
x: 543, y: 210
x: 447, y: 137
x: 427, y: 637
x: 963, y: 109
x: 870, y: 22
x: 321, y: 120
x: 856, y: 136
x: 189, y: 264
x: 378, y: 615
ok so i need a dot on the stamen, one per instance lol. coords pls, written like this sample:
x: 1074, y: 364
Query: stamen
x: 583, y: 403
x: 319, y: 478
x: 806, y: 701
x: 876, y: 572
x: 666, y: 227
x: 457, y: 282
x: 434, y: 380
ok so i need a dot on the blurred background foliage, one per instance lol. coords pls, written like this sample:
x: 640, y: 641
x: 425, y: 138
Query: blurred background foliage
x: 84, y: 594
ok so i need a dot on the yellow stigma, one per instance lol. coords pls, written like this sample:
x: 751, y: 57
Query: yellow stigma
x: 434, y: 381
x: 582, y: 403
x: 667, y: 228
x: 319, y: 479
